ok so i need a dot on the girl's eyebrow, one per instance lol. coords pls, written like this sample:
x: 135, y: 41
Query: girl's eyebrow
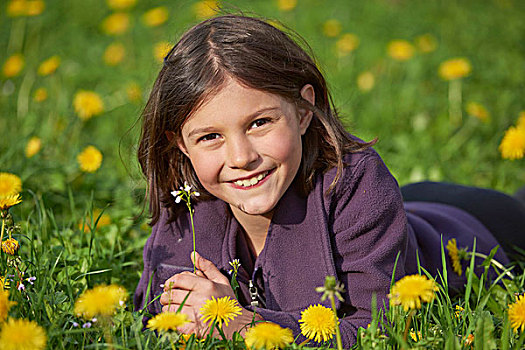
x: 250, y: 116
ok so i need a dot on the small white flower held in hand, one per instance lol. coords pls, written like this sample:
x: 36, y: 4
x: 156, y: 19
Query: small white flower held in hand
x: 184, y: 193
x: 177, y: 195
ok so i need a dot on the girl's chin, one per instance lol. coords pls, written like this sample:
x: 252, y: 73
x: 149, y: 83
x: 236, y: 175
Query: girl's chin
x: 254, y: 210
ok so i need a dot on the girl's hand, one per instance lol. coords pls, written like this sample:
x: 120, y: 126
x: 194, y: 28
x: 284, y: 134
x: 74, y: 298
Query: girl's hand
x: 208, y: 281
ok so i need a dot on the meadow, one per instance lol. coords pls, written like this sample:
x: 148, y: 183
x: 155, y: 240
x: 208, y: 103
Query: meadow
x: 440, y: 84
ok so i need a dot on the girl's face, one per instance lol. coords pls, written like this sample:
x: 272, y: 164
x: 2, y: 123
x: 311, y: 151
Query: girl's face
x: 245, y: 145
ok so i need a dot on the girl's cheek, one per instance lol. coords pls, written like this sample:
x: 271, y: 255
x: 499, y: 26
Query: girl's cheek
x: 206, y: 166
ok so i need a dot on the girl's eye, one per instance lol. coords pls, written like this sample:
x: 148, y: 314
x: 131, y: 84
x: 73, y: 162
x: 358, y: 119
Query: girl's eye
x: 209, y: 137
x: 260, y: 122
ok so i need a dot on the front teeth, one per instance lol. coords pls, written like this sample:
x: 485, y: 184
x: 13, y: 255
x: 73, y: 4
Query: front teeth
x: 251, y: 182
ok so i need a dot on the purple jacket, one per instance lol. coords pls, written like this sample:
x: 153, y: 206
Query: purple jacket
x: 354, y: 233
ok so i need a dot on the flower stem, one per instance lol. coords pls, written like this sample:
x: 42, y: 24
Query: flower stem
x: 454, y: 100
x: 495, y: 263
x: 337, y: 331
x: 2, y: 234
x: 193, y: 232
x: 409, y: 322
x: 520, y: 340
x: 107, y: 332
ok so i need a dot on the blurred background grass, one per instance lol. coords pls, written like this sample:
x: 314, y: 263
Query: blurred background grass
x: 402, y: 102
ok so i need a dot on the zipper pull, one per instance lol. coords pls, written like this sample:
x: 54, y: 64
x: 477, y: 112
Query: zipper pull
x: 254, y: 295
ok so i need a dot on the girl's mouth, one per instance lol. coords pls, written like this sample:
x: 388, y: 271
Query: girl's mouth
x: 253, y: 181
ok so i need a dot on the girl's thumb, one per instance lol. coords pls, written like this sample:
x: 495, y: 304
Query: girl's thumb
x: 207, y: 267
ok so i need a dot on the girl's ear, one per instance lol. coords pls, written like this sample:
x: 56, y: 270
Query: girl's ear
x: 305, y: 115
x: 170, y: 135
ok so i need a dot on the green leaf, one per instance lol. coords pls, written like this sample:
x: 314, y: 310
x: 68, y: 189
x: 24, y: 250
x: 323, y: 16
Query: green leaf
x: 483, y: 336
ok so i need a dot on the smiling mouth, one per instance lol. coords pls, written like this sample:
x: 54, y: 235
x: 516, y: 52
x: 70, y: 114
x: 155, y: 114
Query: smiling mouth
x: 253, y: 180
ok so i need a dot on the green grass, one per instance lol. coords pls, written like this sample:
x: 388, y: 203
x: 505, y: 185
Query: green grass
x: 407, y: 109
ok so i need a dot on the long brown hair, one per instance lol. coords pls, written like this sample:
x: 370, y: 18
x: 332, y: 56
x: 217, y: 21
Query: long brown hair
x: 257, y: 55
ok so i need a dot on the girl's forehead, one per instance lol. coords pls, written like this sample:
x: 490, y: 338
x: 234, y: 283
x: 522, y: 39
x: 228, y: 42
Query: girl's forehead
x: 235, y: 99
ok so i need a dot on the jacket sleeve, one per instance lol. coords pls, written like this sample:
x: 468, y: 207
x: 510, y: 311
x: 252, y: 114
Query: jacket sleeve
x: 139, y: 298
x: 369, y: 231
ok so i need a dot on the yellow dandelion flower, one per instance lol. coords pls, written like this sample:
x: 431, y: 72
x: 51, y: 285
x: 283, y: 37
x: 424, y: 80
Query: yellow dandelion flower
x: 134, y: 92
x: 459, y: 310
x: 521, y: 120
x: 13, y: 65
x: 49, y: 66
x: 22, y: 335
x: 426, y: 43
x: 453, y: 254
x: 346, y: 44
x: 286, y: 5
x: 4, y: 284
x: 477, y: 110
x: 33, y: 146
x: 5, y: 304
x: 34, y: 7
x: 155, y: 17
x: 332, y: 28
x: 40, y: 95
x: 102, y: 300
x: 268, y: 335
x: 512, y: 145
x: 161, y: 50
x: 400, y: 50
x: 167, y: 321
x: 318, y: 323
x: 220, y: 310
x: 411, y: 290
x: 103, y: 220
x: 114, y: 54
x: 16, y: 8
x: 87, y: 104
x: 89, y: 159
x: 206, y: 8
x: 10, y: 184
x: 116, y: 24
x: 415, y: 336
x: 469, y: 340
x: 517, y: 314
x: 121, y: 4
x: 7, y: 202
x: 365, y: 81
x: 10, y: 246
x: 184, y: 338
x: 455, y: 68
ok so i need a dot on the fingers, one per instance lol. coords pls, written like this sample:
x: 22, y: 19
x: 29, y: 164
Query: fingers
x: 183, y: 280
x: 176, y: 297
x: 208, y: 268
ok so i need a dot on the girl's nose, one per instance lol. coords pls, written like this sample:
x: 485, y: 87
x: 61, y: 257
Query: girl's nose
x: 241, y: 152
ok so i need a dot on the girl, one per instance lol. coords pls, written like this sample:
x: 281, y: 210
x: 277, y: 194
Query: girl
x: 241, y: 112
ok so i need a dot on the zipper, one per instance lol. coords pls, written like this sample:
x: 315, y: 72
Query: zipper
x: 254, y: 294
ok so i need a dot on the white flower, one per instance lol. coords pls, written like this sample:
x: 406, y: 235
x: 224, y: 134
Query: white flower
x: 196, y: 194
x: 177, y: 195
x: 187, y: 187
